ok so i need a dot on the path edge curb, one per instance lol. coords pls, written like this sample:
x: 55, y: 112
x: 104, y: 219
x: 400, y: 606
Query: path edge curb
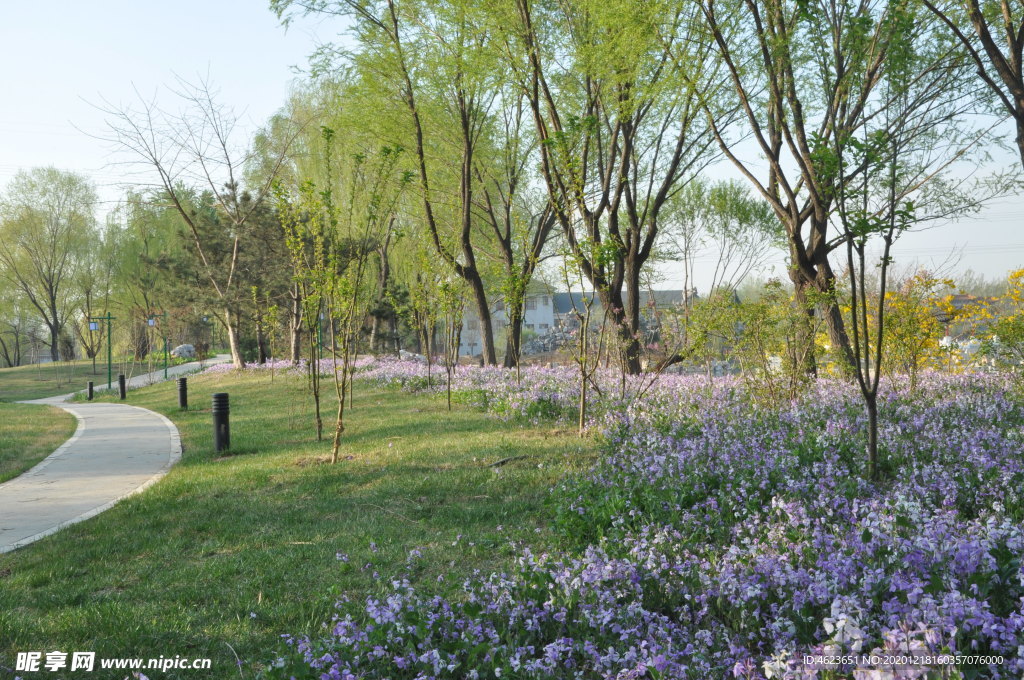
x: 173, y: 458
x: 60, y: 451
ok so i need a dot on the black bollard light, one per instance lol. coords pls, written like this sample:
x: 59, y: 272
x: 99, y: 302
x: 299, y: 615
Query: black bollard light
x: 221, y: 427
x: 182, y: 393
x: 122, y: 388
x: 90, y: 391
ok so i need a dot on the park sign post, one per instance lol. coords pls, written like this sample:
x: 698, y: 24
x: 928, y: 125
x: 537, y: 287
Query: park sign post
x: 93, y: 326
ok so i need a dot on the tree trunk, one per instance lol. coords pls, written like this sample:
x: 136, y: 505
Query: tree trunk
x: 373, y: 334
x: 5, y: 353
x: 313, y: 369
x: 295, y: 344
x: 803, y: 353
x: 295, y: 325
x: 513, y: 338
x: 231, y: 326
x: 1020, y: 137
x: 871, y: 402
x: 625, y: 323
x: 383, y: 283
x: 490, y: 357
x: 261, y: 341
x: 631, y: 330
x: 54, y: 342
x: 823, y: 285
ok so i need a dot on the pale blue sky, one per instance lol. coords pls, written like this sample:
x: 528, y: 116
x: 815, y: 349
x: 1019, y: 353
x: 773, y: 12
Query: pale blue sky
x: 58, y: 56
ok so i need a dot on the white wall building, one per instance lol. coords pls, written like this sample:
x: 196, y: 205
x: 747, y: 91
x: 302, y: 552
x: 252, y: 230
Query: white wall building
x: 538, y: 318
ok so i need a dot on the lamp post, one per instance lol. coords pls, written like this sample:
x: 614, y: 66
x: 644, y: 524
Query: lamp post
x: 93, y: 326
x: 152, y: 323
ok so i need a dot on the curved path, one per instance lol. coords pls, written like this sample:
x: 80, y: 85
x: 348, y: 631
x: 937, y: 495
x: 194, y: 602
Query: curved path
x: 117, y: 450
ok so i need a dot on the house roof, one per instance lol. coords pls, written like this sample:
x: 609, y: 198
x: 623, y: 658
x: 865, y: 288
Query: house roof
x: 536, y: 287
x: 564, y: 302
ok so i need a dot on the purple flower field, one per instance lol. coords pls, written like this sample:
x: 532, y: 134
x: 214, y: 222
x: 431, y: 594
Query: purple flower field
x: 720, y: 538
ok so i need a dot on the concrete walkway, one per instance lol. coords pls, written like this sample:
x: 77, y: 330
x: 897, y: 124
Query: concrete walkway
x: 117, y: 450
x: 147, y: 378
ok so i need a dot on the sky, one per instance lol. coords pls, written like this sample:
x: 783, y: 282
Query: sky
x: 62, y: 58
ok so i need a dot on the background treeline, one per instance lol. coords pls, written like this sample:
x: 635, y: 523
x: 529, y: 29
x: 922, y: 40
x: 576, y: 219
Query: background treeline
x: 442, y: 157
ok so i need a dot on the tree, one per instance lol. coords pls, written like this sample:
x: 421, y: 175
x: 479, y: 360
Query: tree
x: 723, y: 222
x: 263, y: 268
x: 801, y: 72
x: 915, y: 311
x: 888, y: 171
x: 287, y: 150
x: 991, y: 32
x: 94, y: 284
x: 46, y: 220
x: 447, y: 95
x: 423, y: 305
x: 586, y: 350
x: 15, y: 325
x: 618, y: 92
x: 198, y: 149
x: 771, y: 347
x: 151, y: 263
x: 332, y: 231
x: 519, y: 227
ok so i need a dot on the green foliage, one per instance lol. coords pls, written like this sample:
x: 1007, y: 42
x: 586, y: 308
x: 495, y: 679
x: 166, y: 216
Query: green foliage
x: 47, y: 222
x: 1001, y: 324
x: 96, y: 583
x: 29, y: 433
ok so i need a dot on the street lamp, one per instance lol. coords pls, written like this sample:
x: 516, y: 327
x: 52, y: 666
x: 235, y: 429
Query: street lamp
x: 152, y: 323
x: 95, y: 326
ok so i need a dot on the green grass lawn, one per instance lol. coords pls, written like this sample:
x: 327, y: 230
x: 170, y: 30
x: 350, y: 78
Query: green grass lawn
x: 228, y: 552
x: 47, y: 380
x: 29, y: 433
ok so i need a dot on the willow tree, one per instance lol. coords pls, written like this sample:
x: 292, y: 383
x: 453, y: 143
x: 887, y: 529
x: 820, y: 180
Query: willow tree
x: 423, y: 56
x: 333, y: 229
x: 46, y: 221
x: 94, y: 284
x: 991, y: 33
x: 436, y: 63
x: 15, y: 326
x: 517, y: 223
x: 800, y: 71
x: 618, y: 91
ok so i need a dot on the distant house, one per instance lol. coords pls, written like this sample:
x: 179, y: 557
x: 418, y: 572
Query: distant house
x: 650, y: 301
x: 547, y: 312
x: 538, y: 318
x: 566, y: 306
